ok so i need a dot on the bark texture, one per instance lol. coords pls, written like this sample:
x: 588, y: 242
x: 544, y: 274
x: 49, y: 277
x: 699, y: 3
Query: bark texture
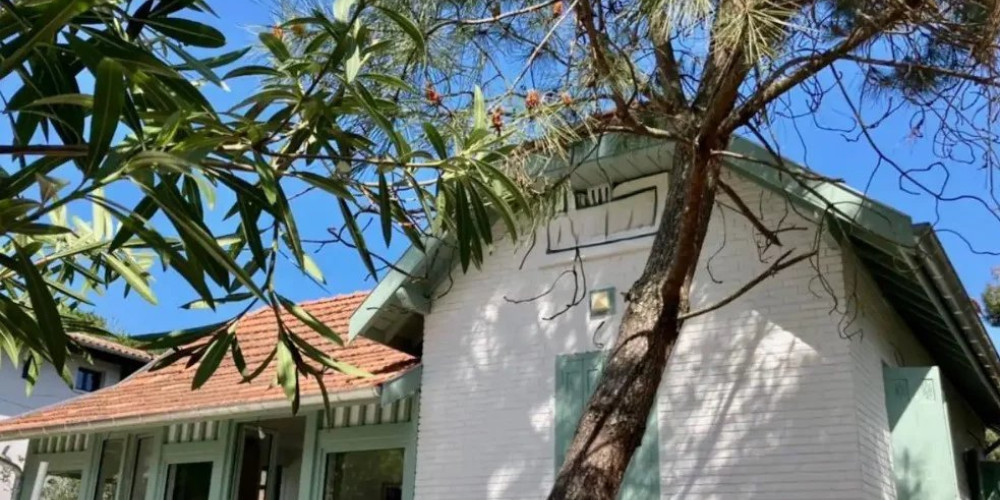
x: 614, y: 420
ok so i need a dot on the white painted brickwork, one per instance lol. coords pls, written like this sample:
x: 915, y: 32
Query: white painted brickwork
x: 760, y: 399
x: 886, y: 339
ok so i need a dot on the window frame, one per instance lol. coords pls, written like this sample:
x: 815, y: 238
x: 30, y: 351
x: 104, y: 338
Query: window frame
x: 368, y: 438
x: 96, y: 374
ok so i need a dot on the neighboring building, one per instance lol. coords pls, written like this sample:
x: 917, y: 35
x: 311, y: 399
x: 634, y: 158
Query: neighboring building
x: 103, y: 364
x: 864, y: 373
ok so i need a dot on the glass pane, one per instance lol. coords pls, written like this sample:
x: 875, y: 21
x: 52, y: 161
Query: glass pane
x: 62, y: 485
x: 143, y: 459
x: 255, y: 461
x: 108, y: 476
x: 364, y: 475
x: 189, y: 481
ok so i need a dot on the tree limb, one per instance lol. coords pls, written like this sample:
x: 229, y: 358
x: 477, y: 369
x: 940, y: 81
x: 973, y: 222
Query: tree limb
x: 745, y: 210
x: 670, y: 76
x: 777, y: 85
x: 778, y: 266
x: 487, y: 20
x: 909, y: 66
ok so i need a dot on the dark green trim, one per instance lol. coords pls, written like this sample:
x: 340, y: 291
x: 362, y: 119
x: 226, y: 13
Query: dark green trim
x: 401, y: 387
x: 576, y: 378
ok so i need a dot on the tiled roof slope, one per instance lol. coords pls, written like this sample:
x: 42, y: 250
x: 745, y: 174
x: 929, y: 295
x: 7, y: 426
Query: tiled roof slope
x: 111, y: 347
x: 157, y: 395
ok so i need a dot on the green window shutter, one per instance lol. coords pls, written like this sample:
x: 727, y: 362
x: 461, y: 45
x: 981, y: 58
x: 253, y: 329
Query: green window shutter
x: 576, y: 379
x: 923, y: 459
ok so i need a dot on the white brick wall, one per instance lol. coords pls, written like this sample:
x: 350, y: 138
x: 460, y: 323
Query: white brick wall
x: 884, y: 338
x: 758, y: 401
x: 50, y: 389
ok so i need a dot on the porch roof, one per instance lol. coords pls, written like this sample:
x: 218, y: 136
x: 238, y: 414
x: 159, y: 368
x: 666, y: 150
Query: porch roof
x: 166, y: 395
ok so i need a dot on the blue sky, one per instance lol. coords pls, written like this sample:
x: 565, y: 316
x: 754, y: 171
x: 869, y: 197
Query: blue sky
x: 828, y: 152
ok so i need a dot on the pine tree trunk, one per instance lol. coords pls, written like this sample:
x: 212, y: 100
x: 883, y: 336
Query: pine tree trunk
x: 614, y: 420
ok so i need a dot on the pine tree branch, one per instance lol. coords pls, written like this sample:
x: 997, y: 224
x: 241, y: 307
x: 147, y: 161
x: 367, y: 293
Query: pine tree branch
x: 745, y: 210
x: 670, y: 76
x: 908, y: 66
x: 778, y: 266
x: 493, y: 19
x: 777, y: 85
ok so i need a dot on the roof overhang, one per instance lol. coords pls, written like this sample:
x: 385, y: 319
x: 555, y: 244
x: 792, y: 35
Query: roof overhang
x: 906, y: 261
x: 388, y: 392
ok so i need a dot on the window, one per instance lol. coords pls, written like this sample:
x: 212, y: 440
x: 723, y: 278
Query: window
x: 364, y: 475
x: 143, y: 460
x: 255, y: 464
x: 576, y: 378
x: 62, y: 485
x: 109, y: 474
x: 88, y: 380
x: 189, y: 481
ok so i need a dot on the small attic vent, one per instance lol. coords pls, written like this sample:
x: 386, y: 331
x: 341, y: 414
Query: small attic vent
x: 593, y: 196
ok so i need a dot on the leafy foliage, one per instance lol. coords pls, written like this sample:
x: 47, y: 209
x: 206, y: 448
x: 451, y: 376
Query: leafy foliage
x: 991, y: 301
x: 326, y: 117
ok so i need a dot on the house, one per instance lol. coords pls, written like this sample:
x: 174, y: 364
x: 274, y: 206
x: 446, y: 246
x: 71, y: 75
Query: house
x: 102, y: 363
x: 862, y: 373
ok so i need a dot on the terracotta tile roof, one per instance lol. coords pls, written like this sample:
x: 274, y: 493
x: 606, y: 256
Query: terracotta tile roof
x: 166, y: 394
x: 111, y: 347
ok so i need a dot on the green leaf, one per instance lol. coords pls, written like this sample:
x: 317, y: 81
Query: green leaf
x: 389, y: 80
x: 436, y: 140
x: 249, y: 215
x: 109, y: 91
x: 189, y: 32
x: 134, y: 278
x: 408, y: 26
x: 196, y: 65
x: 478, y: 109
x: 287, y: 374
x: 385, y: 207
x: 82, y: 100
x: 48, y: 24
x: 501, y: 207
x: 357, y: 236
x: 38, y: 229
x: 464, y: 223
x: 212, y: 358
x: 310, y: 267
x: 311, y: 321
x: 275, y: 45
x: 238, y: 359
x: 46, y: 311
x: 144, y: 211
x: 331, y: 185
x: 199, y: 237
x: 217, y: 61
x: 177, y: 338
x: 352, y: 66
x: 342, y: 10
x: 252, y: 71
x: 203, y: 304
